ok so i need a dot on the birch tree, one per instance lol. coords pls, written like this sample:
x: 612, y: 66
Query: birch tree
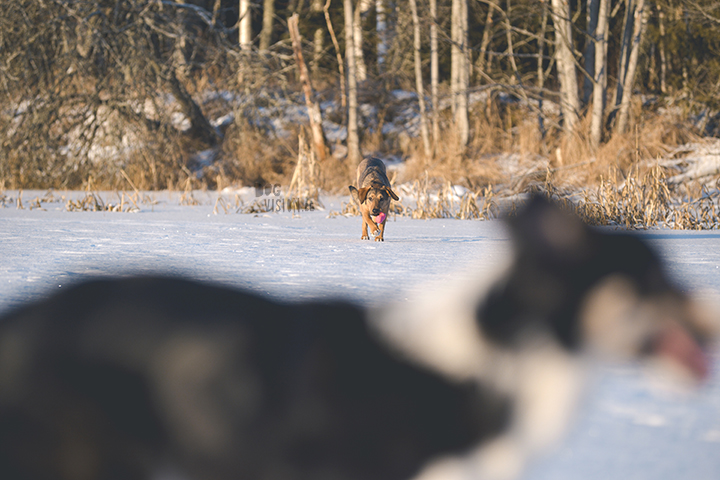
x: 434, y: 72
x: 360, y: 67
x: 569, y: 97
x: 600, y: 73
x: 353, y: 141
x: 418, y: 78
x: 663, y: 58
x: 540, y: 69
x: 460, y: 71
x: 245, y: 27
x: 625, y: 84
x: 267, y: 28
x: 481, y: 64
x: 316, y: 6
x: 382, y: 34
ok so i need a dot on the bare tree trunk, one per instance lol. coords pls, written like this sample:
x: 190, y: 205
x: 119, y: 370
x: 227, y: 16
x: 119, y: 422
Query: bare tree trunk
x: 624, y: 55
x: 663, y: 58
x: 360, y: 67
x: 267, y: 28
x: 216, y: 12
x: 318, y: 47
x: 640, y: 20
x: 454, y: 53
x: 464, y: 84
x: 569, y: 98
x: 467, y: 51
x: 318, y: 39
x: 381, y: 30
x: 461, y: 70
x: 418, y: 79
x: 540, y: 70
x: 434, y: 73
x: 600, y: 73
x: 589, y: 55
x: 181, y: 67
x: 510, y: 51
x: 341, y: 64
x: 652, y: 80
x: 245, y: 27
x: 312, y: 104
x: 481, y: 64
x: 353, y: 141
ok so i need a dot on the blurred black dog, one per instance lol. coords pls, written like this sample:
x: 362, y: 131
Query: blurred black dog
x: 155, y: 377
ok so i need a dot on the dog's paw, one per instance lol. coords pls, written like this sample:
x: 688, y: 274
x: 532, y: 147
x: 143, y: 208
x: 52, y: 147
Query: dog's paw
x: 379, y: 238
x: 364, y: 237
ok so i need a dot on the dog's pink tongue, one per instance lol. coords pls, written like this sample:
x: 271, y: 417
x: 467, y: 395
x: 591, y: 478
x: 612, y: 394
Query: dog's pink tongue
x: 678, y: 344
x: 379, y: 218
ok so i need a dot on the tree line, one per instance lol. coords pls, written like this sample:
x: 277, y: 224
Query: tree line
x: 88, y: 80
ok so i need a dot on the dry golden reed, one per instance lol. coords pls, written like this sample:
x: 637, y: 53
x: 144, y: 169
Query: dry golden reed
x: 644, y: 200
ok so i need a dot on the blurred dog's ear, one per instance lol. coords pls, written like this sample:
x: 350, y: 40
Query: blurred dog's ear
x: 544, y: 229
x: 391, y: 193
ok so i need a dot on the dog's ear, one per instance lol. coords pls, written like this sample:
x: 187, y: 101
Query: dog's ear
x: 391, y: 193
x: 362, y: 194
x: 354, y: 194
x: 544, y: 229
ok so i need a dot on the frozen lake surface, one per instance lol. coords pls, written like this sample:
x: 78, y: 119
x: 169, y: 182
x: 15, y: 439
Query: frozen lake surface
x: 628, y: 430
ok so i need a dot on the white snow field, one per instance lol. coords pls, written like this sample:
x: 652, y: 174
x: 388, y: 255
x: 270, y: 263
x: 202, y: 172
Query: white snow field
x: 627, y: 429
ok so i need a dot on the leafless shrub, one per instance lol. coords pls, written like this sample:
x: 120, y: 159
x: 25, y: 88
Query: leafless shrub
x: 251, y: 156
x: 93, y: 88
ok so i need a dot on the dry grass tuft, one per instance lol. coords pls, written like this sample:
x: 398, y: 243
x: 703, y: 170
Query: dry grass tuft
x: 643, y: 200
x: 447, y: 202
x: 93, y: 202
x: 351, y: 209
x: 639, y: 201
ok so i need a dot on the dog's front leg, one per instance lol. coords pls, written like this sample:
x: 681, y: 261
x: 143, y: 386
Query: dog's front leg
x: 381, y: 228
x: 367, y: 222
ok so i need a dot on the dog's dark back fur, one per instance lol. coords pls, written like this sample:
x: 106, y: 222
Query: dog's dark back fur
x: 90, y: 388
x: 372, y: 170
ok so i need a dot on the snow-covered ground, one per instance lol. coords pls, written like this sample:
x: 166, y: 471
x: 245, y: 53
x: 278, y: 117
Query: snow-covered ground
x: 628, y: 429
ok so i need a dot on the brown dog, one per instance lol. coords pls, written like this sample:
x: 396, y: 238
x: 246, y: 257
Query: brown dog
x: 373, y: 195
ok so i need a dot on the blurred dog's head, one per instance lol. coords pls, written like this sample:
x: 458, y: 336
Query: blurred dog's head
x: 605, y: 292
